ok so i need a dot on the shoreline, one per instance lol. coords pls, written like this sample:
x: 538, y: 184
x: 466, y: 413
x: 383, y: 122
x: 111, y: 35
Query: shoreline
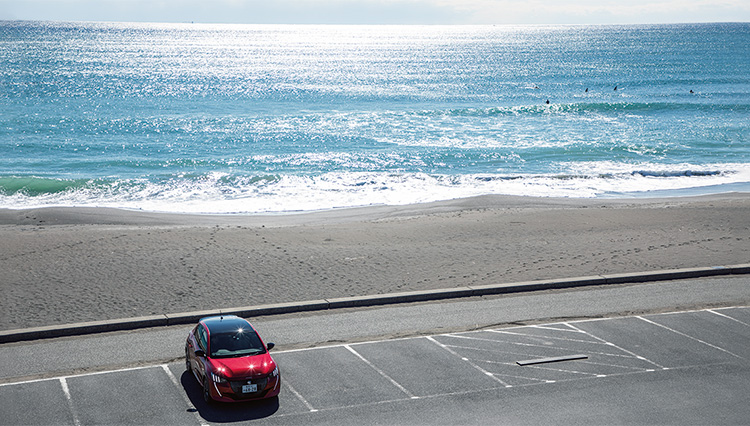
x: 65, y: 264
x: 76, y: 215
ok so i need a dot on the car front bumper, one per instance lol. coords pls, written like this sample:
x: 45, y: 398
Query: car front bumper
x: 231, y: 391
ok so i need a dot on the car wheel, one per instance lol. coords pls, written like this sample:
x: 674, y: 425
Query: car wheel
x: 206, y: 392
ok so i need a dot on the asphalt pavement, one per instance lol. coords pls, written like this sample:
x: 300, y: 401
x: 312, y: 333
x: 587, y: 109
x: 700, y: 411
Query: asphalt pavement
x: 427, y: 363
x: 672, y: 368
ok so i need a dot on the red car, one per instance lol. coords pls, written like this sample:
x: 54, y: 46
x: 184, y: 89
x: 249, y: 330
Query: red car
x: 230, y: 360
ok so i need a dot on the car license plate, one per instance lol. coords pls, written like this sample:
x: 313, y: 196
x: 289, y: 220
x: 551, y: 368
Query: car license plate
x: 249, y: 388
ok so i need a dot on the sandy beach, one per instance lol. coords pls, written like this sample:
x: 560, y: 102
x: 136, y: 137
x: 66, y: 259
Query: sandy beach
x: 64, y: 265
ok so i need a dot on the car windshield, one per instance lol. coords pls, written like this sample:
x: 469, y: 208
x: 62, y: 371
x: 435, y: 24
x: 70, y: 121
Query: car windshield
x: 240, y: 342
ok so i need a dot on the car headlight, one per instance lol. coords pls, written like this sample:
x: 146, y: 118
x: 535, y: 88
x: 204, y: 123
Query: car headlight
x: 218, y: 379
x: 275, y: 372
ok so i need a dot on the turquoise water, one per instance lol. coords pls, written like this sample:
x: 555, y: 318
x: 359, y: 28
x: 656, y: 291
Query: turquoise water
x: 249, y: 119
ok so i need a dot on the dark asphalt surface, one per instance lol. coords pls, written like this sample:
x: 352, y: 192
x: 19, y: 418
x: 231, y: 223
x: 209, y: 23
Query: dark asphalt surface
x: 688, y: 367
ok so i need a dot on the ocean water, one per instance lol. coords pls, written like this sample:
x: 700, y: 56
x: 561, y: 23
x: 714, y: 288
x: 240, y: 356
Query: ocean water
x: 254, y: 119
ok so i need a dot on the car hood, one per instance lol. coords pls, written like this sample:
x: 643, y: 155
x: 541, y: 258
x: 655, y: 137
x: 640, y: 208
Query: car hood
x: 247, y: 366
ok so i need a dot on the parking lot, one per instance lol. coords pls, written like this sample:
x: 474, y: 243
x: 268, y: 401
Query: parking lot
x: 424, y: 379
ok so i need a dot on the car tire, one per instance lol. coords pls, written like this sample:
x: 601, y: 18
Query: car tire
x: 206, y: 392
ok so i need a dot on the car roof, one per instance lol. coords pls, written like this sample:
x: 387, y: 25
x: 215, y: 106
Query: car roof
x: 222, y: 323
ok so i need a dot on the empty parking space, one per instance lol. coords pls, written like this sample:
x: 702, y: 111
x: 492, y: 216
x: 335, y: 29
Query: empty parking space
x: 54, y: 408
x: 423, y: 367
x: 741, y: 316
x: 708, y: 328
x: 396, y: 373
x: 128, y: 397
x: 656, y: 344
x: 499, y: 352
x: 334, y: 377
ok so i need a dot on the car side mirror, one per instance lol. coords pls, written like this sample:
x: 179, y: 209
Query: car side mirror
x: 270, y: 345
x: 200, y: 353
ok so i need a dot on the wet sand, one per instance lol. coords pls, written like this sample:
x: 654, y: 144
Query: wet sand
x: 64, y: 265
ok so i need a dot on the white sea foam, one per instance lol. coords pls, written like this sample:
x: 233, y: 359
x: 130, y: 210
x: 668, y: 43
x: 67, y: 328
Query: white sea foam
x: 221, y: 193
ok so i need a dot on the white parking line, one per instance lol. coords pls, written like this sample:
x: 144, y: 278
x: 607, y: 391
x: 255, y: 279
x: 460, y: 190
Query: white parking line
x: 493, y: 350
x: 93, y: 373
x: 535, y: 346
x: 689, y: 337
x: 382, y: 373
x: 180, y: 390
x: 514, y: 376
x: 627, y: 367
x: 299, y: 396
x: 563, y: 370
x: 66, y: 391
x: 615, y: 346
x: 548, y: 327
x: 728, y: 317
x: 486, y: 373
x: 534, y: 336
x: 338, y: 345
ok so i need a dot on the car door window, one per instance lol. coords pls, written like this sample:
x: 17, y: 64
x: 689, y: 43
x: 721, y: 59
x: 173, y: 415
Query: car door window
x: 202, y: 339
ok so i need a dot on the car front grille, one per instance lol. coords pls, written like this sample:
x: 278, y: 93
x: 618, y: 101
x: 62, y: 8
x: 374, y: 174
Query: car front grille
x: 237, y: 388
